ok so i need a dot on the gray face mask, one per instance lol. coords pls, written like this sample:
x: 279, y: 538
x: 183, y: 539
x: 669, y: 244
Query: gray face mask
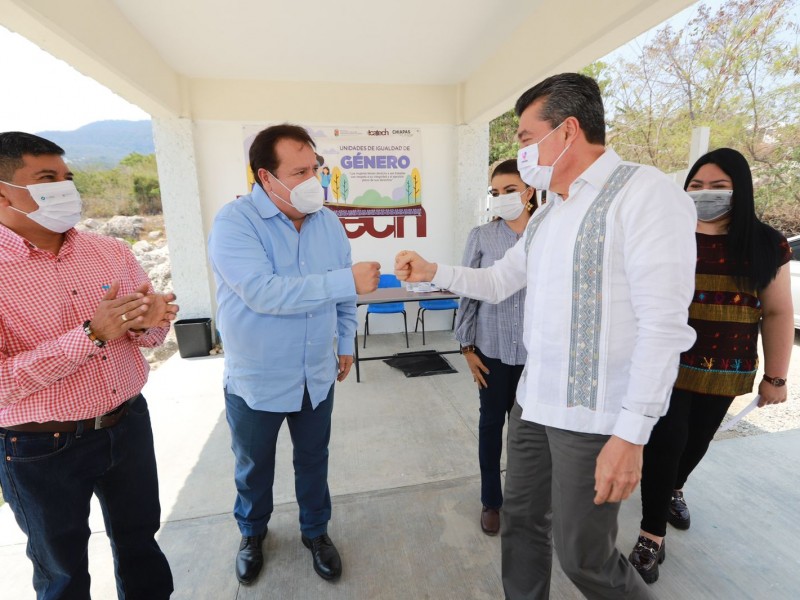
x: 712, y: 204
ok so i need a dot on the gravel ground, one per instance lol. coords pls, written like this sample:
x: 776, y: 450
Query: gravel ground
x: 770, y: 419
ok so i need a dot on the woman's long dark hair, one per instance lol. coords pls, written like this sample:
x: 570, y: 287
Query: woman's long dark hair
x: 755, y: 247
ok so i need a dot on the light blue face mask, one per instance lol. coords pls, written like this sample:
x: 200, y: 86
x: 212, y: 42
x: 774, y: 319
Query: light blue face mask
x: 712, y: 204
x: 59, y: 204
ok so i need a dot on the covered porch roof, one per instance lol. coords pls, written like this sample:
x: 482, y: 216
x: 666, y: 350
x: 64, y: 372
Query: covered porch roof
x: 443, y: 61
x: 205, y: 69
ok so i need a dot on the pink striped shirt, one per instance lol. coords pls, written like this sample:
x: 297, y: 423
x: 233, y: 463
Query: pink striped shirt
x: 49, y: 369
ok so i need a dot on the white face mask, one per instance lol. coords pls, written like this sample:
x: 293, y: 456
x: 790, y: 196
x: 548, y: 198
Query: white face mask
x: 712, y: 204
x: 507, y: 206
x: 59, y: 204
x: 535, y: 175
x: 306, y: 197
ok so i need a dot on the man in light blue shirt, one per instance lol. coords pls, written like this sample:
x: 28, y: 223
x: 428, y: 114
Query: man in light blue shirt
x: 286, y: 292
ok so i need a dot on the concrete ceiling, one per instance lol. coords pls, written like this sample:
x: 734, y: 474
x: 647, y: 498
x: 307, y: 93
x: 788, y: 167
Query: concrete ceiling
x: 412, y: 61
x: 417, y: 42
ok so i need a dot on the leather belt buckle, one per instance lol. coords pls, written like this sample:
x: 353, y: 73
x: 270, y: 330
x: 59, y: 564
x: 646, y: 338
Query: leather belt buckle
x: 98, y: 422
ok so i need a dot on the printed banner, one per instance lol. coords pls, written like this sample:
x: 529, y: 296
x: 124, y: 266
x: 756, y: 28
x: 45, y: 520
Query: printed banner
x: 365, y: 172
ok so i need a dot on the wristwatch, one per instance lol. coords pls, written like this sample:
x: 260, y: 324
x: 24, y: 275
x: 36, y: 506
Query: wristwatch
x: 87, y: 329
x: 776, y: 381
x: 468, y: 349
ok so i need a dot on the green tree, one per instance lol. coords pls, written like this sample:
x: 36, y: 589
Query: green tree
x: 130, y: 188
x: 734, y: 70
x: 503, y: 137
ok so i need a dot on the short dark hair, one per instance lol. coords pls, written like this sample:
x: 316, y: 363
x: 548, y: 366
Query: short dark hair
x: 569, y: 95
x: 262, y: 150
x: 15, y: 144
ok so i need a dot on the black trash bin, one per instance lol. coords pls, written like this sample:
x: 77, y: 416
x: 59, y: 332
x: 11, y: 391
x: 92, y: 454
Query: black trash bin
x: 194, y: 337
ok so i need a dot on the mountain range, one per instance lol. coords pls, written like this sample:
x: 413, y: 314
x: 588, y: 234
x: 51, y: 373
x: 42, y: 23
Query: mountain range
x: 103, y: 144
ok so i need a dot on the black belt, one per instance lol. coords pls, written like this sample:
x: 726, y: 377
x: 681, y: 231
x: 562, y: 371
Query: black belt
x: 102, y: 422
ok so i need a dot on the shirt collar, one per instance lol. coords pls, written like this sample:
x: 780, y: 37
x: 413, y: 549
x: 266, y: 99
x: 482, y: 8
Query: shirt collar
x: 599, y: 171
x: 266, y: 207
x: 13, y: 243
x: 263, y: 203
x: 594, y: 176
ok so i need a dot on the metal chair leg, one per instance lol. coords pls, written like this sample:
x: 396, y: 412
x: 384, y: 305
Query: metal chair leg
x: 405, y: 326
x: 366, y: 329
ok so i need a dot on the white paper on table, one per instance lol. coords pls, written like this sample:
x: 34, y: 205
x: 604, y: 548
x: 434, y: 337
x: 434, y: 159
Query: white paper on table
x: 740, y: 415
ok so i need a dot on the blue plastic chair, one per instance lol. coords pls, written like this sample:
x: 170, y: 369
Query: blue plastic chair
x: 434, y: 305
x: 386, y: 308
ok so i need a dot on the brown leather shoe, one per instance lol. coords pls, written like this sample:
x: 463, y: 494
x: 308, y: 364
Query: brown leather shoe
x: 490, y: 521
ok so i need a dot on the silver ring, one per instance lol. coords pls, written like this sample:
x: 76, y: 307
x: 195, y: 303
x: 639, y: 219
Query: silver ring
x: 124, y: 318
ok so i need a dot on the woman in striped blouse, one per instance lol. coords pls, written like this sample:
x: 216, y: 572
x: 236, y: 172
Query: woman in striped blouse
x: 491, y: 334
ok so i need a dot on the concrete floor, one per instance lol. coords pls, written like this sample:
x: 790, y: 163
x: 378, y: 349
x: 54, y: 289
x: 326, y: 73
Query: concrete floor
x: 405, y: 484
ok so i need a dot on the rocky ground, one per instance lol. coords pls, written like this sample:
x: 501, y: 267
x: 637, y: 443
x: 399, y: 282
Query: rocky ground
x: 770, y: 419
x: 148, y: 241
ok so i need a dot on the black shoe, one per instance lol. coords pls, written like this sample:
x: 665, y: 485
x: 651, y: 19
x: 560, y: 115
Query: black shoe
x: 327, y: 563
x: 678, y: 515
x: 646, y: 556
x: 250, y: 558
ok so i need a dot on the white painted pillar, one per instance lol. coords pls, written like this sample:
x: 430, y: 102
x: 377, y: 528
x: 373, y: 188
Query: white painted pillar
x: 699, y: 145
x: 472, y: 180
x: 180, y: 199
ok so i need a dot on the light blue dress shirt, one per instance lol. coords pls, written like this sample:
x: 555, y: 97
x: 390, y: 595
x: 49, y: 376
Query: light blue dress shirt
x: 286, y: 301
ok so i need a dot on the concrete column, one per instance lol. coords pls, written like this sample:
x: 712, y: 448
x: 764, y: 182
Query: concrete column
x: 699, y: 144
x: 472, y: 180
x: 180, y: 198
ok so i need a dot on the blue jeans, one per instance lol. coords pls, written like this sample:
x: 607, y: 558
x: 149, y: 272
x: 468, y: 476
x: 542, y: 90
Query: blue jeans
x: 254, y: 435
x: 497, y: 400
x: 48, y: 480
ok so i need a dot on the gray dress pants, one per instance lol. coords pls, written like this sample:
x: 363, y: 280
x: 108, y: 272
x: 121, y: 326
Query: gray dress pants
x: 548, y: 502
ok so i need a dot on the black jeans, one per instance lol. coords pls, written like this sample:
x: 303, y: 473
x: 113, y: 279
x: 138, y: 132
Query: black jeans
x: 497, y: 400
x: 48, y: 480
x: 678, y: 443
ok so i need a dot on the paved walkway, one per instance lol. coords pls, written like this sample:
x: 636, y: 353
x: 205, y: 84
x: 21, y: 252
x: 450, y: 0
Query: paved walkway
x: 405, y: 485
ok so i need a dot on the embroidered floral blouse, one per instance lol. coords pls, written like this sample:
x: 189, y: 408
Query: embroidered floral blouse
x: 724, y: 358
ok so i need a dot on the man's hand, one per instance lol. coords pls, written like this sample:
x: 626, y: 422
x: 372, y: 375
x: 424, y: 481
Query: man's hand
x: 160, y: 309
x: 410, y: 266
x: 477, y: 368
x: 115, y: 316
x: 618, y: 471
x: 345, y: 362
x: 366, y: 276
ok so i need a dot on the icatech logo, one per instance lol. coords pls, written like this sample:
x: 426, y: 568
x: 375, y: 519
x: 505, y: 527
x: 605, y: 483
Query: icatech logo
x: 377, y: 132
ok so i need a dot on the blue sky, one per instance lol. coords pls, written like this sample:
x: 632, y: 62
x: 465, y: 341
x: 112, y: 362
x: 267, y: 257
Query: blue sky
x: 44, y: 93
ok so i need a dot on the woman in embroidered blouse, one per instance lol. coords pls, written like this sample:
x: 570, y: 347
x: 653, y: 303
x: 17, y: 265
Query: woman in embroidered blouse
x: 742, y: 281
x: 491, y: 334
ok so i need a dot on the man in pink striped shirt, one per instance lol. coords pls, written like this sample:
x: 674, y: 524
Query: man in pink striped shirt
x: 74, y: 310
